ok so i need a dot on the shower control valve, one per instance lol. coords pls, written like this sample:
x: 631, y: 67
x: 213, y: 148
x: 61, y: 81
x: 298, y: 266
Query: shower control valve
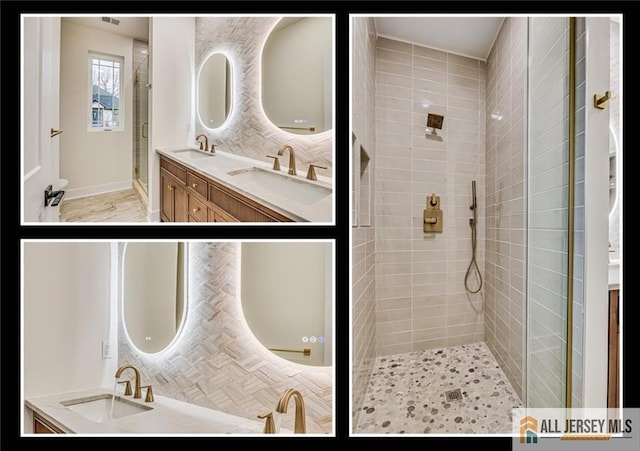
x: 432, y: 215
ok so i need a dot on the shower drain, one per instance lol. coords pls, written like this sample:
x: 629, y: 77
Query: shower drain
x: 453, y: 395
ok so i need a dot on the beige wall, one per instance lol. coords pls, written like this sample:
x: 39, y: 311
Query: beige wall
x: 93, y: 161
x: 67, y: 314
x: 363, y: 245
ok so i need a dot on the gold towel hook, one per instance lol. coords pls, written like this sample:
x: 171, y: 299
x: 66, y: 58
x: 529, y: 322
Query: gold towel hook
x: 600, y: 100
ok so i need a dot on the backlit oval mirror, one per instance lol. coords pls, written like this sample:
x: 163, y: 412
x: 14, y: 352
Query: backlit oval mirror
x: 286, y: 293
x: 297, y: 68
x: 214, y: 91
x: 154, y: 302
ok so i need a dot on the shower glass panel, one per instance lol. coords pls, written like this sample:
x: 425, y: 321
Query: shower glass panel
x: 547, y: 210
x: 141, y: 116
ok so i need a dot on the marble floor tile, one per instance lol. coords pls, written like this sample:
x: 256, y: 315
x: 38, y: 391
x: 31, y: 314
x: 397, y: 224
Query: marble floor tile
x: 406, y: 393
x: 117, y: 206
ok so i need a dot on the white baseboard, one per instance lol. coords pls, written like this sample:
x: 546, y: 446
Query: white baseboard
x: 76, y: 193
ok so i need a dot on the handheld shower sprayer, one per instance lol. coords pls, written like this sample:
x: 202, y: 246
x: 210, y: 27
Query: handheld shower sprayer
x: 473, y: 222
x: 474, y: 203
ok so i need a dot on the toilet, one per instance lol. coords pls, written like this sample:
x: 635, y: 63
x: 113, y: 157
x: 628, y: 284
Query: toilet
x: 60, y: 184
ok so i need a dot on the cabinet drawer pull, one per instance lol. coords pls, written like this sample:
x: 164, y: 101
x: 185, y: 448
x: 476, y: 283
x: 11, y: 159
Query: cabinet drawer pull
x: 196, y: 210
x: 170, y: 188
x: 194, y: 185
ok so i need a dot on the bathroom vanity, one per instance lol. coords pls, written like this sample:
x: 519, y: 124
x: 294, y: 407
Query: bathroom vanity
x: 85, y: 412
x: 198, y: 186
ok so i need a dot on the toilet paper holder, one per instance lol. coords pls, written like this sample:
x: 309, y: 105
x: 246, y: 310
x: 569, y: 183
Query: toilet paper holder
x: 52, y: 198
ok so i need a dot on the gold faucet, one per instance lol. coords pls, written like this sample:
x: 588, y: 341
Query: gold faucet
x: 292, y: 158
x: 206, y: 141
x: 269, y: 424
x: 137, y: 392
x: 300, y: 426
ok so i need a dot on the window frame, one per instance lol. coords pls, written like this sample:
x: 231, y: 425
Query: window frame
x: 121, y: 97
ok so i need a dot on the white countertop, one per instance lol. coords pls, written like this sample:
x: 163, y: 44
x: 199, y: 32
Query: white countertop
x: 168, y: 416
x: 218, y: 166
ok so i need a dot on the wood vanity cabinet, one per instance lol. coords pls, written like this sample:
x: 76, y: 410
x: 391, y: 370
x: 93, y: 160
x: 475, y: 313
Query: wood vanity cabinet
x: 42, y: 426
x: 173, y: 198
x: 187, y: 196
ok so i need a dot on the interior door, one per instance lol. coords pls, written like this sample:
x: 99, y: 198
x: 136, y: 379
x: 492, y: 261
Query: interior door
x: 40, y: 114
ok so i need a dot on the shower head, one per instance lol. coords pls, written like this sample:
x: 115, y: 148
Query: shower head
x: 434, y: 121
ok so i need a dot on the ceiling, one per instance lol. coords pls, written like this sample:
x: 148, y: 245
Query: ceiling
x: 133, y: 27
x: 468, y: 36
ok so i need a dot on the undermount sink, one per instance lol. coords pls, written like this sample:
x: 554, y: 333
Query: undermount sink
x: 97, y: 408
x: 195, y: 154
x: 286, y: 186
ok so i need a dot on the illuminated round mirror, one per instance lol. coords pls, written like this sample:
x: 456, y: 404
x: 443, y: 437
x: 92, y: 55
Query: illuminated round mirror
x: 154, y: 300
x: 297, y: 68
x: 214, y: 91
x: 286, y: 293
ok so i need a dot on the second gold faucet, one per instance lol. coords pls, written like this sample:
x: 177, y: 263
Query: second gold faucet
x: 137, y: 392
x: 292, y: 158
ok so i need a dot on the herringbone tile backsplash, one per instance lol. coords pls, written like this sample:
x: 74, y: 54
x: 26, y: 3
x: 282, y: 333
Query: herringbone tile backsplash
x: 217, y: 362
x: 249, y: 132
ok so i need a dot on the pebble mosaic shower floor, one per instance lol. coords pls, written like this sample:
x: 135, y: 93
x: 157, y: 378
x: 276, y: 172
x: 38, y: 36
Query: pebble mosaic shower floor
x: 406, y: 393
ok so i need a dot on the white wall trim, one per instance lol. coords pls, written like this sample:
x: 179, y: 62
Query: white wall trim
x: 596, y: 226
x: 97, y: 189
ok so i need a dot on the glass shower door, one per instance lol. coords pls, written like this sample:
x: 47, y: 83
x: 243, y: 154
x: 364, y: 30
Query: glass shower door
x: 141, y: 118
x: 548, y: 210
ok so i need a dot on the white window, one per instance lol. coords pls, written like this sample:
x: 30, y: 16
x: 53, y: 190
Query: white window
x: 106, y: 98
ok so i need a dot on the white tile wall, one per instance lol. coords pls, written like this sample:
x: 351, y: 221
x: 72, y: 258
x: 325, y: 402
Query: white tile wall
x: 505, y: 256
x: 419, y: 278
x: 364, y: 245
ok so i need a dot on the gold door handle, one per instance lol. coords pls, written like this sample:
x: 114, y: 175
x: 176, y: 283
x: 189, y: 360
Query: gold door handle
x: 55, y: 132
x: 193, y: 185
x: 196, y: 210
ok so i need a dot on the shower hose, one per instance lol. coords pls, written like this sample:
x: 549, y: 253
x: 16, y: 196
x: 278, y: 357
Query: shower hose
x: 473, y: 265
